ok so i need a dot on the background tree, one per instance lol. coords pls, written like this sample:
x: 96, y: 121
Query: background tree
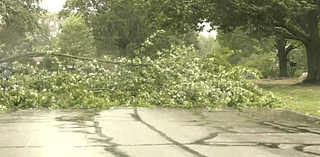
x: 120, y: 28
x: 43, y: 36
x: 16, y: 19
x: 243, y: 44
x: 48, y: 29
x: 266, y: 63
x: 207, y: 44
x: 75, y: 37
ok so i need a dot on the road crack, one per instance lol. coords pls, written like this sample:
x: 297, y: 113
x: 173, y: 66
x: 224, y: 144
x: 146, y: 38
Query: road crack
x: 136, y: 117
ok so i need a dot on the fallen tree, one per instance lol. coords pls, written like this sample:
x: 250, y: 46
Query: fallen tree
x: 176, y: 79
x: 39, y: 54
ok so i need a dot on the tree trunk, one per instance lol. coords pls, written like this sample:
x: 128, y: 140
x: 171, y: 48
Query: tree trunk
x: 282, y: 56
x: 313, y: 47
x: 122, y: 44
x: 313, y: 59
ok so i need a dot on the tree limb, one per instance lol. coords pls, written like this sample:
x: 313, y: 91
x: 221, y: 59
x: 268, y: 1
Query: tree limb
x: 290, y: 48
x: 295, y: 34
x: 38, y: 54
x: 294, y: 38
x: 302, y: 23
x: 14, y: 57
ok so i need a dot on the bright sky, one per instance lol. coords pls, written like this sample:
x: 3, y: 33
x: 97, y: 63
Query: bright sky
x: 206, y: 28
x: 53, y: 5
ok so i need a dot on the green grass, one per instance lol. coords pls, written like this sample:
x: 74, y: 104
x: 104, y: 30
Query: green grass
x: 299, y: 97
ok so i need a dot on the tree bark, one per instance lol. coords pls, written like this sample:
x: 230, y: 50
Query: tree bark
x: 313, y: 59
x: 282, y: 56
x: 313, y: 47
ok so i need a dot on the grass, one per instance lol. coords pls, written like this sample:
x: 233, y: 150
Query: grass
x: 296, y: 96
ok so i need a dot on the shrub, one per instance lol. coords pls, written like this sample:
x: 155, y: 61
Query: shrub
x: 266, y: 63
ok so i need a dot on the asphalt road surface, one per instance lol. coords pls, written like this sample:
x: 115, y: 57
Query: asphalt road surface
x: 158, y: 132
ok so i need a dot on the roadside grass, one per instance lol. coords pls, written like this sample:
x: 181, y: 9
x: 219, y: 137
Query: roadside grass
x: 296, y: 96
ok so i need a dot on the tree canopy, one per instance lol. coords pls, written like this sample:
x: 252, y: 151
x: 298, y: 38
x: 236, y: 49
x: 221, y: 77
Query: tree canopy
x: 76, y: 38
x: 243, y: 44
x: 119, y: 27
x: 17, y: 18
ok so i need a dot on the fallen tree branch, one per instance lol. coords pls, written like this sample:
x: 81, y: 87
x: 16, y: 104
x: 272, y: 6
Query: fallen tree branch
x: 14, y: 57
x: 38, y: 54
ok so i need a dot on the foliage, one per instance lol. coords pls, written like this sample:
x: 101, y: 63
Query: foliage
x: 162, y: 40
x: 16, y: 19
x: 243, y: 44
x: 5, y: 71
x: 119, y: 28
x: 48, y: 29
x: 44, y: 36
x: 32, y: 87
x: 173, y: 15
x: 176, y: 79
x: 75, y: 37
x: 116, y: 25
x: 266, y: 63
x: 207, y: 44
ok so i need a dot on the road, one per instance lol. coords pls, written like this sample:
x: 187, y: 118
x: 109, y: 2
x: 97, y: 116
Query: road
x: 158, y: 132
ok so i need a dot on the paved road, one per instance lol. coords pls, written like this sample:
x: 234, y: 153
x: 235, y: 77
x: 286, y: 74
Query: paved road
x: 158, y: 132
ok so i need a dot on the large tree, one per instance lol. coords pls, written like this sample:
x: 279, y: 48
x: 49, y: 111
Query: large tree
x: 49, y: 27
x: 76, y: 38
x: 288, y: 19
x: 17, y: 17
x: 116, y: 24
x: 292, y: 19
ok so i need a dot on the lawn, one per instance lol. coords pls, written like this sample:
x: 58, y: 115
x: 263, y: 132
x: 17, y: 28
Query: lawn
x: 296, y: 96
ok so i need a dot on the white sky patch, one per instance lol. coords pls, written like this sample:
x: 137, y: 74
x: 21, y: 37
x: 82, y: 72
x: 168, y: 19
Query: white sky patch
x: 53, y: 5
x: 206, y: 29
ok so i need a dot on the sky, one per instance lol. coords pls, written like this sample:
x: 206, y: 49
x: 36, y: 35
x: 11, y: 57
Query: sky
x: 56, y: 5
x: 53, y: 5
x: 206, y: 28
